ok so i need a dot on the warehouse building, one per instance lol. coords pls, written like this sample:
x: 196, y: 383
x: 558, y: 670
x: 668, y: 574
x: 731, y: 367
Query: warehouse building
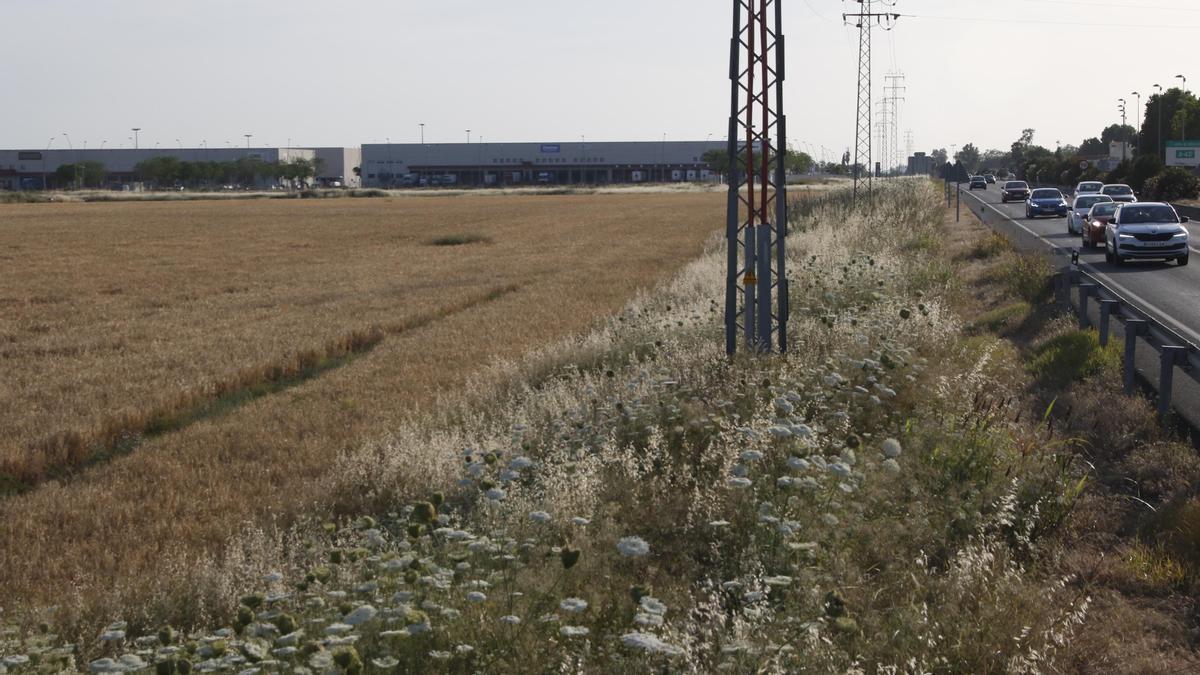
x: 496, y: 164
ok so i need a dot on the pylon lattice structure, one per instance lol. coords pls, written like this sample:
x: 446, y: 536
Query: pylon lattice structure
x: 865, y: 19
x: 892, y: 93
x: 756, y: 290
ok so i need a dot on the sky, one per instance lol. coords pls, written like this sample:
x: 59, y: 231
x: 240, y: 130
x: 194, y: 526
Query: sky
x: 329, y: 73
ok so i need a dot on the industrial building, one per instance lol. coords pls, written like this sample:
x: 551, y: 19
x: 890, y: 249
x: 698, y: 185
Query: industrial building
x: 496, y: 164
x: 35, y: 169
x: 401, y: 164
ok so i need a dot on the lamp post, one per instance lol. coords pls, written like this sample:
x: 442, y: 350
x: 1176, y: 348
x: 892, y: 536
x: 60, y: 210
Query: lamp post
x: 1183, y: 117
x: 1159, y: 138
x: 1137, y: 133
x: 48, y: 144
x: 424, y: 151
x: 135, y: 131
x: 247, y: 140
x: 1124, y: 145
x: 662, y: 156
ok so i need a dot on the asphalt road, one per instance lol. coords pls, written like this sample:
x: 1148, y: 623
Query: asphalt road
x: 1163, y: 290
x: 1166, y: 291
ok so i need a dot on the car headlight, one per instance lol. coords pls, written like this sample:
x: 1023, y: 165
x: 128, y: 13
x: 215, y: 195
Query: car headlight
x: 1126, y: 236
x: 1181, y: 233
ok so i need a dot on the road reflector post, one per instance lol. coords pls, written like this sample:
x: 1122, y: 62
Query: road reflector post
x: 1107, y: 307
x: 1166, y: 376
x: 1085, y: 292
x: 1062, y: 288
x: 1133, y: 329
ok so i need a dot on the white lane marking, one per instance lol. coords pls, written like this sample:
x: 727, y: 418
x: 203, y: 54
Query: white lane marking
x: 1164, y: 317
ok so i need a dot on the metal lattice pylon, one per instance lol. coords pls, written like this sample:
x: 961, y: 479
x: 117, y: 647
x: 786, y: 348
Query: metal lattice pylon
x: 756, y: 291
x: 862, y: 134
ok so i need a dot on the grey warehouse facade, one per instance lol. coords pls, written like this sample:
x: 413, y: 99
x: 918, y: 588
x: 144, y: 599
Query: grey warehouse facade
x: 496, y: 164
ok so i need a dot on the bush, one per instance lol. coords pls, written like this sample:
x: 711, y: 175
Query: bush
x: 1028, y: 277
x: 1071, y: 357
x: 1172, y: 185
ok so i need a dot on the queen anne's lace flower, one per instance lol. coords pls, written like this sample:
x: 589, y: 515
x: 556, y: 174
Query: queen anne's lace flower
x: 633, y: 547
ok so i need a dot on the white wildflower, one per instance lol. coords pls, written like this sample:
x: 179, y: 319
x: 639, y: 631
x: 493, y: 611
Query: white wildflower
x: 440, y: 655
x: 476, y: 596
x: 652, y: 605
x: 519, y: 463
x: 463, y: 650
x: 539, y: 516
x: 582, y: 522
x: 338, y: 628
x: 510, y: 619
x: 649, y: 643
x: 751, y: 456
x: 494, y: 494
x: 573, y: 631
x: 573, y: 605
x: 647, y: 619
x: 798, y: 464
x: 385, y: 663
x: 830, y: 519
x: 272, y: 577
x: 779, y: 431
x: 840, y: 469
x: 419, y: 628
x: 633, y: 547
x: 361, y: 615
x: 719, y: 523
x: 891, y: 448
x: 740, y: 470
x: 754, y: 596
x: 891, y: 467
x: 739, y: 483
x: 778, y: 581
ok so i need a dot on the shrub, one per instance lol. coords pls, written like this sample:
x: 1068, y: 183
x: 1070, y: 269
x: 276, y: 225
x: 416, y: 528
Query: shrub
x: 1174, y: 184
x: 990, y: 246
x: 1071, y: 357
x: 460, y: 240
x: 1028, y: 277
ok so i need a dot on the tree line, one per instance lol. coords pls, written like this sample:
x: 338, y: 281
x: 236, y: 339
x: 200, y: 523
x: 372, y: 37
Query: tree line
x: 171, y: 171
x: 1144, y: 170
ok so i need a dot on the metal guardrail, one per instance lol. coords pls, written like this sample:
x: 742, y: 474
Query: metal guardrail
x: 1175, y: 352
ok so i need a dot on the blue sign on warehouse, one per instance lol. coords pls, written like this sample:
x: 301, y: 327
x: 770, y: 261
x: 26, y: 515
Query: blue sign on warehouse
x: 551, y: 149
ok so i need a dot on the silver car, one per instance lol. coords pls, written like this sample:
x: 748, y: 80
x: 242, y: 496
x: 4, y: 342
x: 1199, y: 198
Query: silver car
x: 1088, y: 186
x: 1119, y: 192
x: 1146, y: 230
x: 1079, y: 210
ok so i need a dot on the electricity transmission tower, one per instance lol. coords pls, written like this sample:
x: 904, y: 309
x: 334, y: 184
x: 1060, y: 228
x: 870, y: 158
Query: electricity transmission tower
x: 892, y: 93
x: 865, y: 19
x: 883, y: 127
x: 756, y: 290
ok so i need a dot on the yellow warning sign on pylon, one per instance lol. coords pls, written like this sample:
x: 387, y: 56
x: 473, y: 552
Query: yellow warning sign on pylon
x: 749, y: 279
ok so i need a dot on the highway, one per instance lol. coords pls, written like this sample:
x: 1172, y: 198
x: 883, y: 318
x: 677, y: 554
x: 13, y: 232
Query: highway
x: 1163, y: 290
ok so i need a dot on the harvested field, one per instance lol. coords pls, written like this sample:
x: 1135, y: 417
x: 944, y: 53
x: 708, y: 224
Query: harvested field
x: 236, y: 348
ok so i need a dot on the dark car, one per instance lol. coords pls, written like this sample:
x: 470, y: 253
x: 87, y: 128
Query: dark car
x: 1046, y: 202
x: 1014, y: 191
x: 978, y: 182
x: 1095, y: 222
x: 989, y: 178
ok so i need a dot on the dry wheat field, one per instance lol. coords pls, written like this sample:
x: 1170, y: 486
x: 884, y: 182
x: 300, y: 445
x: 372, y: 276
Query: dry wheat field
x: 175, y: 371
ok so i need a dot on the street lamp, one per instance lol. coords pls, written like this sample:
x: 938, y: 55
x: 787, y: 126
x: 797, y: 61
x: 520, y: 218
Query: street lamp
x: 424, y: 150
x: 1183, y: 115
x: 1181, y: 77
x: 1159, y: 142
x: 247, y: 140
x: 1137, y: 141
x: 1124, y: 145
x: 135, y: 131
x: 468, y: 136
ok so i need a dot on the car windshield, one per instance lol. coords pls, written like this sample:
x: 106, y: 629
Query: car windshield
x: 1090, y: 187
x: 1104, y: 209
x: 1046, y: 194
x: 1157, y: 213
x: 1016, y: 185
x: 1090, y: 201
x: 1118, y: 190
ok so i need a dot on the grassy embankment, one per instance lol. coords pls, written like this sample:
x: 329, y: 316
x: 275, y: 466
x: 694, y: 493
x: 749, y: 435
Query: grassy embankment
x: 882, y: 499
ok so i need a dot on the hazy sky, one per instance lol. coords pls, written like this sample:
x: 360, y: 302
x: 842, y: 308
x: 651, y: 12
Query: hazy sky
x: 344, y: 73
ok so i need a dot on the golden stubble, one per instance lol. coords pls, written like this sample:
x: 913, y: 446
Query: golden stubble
x: 119, y: 318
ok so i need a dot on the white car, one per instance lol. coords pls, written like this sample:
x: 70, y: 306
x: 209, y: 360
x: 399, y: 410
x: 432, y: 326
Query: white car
x: 1119, y: 192
x: 1080, y: 206
x: 1146, y: 230
x: 1088, y: 187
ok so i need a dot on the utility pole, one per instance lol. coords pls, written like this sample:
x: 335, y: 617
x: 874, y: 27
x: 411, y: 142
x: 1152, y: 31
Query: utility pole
x: 865, y: 20
x: 135, y: 137
x: 882, y: 126
x: 908, y: 144
x: 756, y: 287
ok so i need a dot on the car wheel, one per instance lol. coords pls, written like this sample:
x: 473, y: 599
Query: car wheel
x: 1182, y: 261
x: 1108, y: 256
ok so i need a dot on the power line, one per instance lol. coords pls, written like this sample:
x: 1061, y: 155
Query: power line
x: 1047, y: 22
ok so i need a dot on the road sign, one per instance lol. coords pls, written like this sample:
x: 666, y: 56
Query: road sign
x: 1183, y: 153
x: 1083, y: 165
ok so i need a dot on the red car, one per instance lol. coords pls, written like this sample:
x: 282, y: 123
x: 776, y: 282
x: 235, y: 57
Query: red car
x: 1095, y: 223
